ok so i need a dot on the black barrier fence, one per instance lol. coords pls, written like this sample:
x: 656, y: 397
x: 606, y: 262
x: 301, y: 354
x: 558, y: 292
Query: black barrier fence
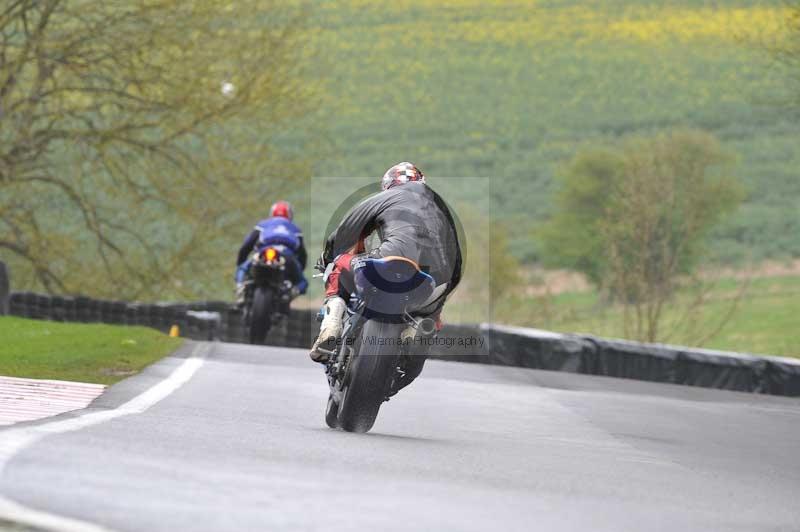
x: 535, y: 349
x: 485, y: 344
x: 5, y: 290
x: 203, y: 320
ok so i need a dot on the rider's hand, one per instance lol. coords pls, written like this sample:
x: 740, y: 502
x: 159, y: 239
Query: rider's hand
x: 327, y: 254
x: 321, y: 264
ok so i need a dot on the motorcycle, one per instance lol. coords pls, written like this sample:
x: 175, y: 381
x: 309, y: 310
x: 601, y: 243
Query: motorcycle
x: 267, y: 293
x: 382, y: 323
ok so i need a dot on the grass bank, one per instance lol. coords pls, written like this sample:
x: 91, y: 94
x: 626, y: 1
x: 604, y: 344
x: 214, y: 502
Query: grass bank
x: 102, y: 354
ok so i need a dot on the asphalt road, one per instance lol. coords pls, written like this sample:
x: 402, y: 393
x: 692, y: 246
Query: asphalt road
x: 242, y: 445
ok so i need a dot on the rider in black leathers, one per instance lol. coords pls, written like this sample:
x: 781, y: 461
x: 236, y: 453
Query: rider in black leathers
x: 413, y: 222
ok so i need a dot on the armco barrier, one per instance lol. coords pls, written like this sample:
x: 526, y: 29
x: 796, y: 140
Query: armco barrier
x: 212, y: 320
x: 4, y: 288
x: 531, y: 348
x: 485, y: 344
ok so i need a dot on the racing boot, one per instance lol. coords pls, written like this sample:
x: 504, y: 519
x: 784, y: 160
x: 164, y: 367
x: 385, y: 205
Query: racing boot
x: 329, y: 330
x: 240, y: 291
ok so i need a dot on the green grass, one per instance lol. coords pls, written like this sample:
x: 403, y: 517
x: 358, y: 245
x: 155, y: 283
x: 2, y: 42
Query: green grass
x: 767, y: 320
x: 102, y: 354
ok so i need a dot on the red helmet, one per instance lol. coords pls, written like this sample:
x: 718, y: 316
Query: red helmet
x: 282, y: 209
x: 400, y: 174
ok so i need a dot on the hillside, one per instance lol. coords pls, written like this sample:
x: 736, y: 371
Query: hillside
x: 502, y: 92
x: 511, y: 89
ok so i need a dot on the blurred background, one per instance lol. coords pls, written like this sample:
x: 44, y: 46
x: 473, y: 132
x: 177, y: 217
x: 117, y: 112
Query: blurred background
x: 624, y: 168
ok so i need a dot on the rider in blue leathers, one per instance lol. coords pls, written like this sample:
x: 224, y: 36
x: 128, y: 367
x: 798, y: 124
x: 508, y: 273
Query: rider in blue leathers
x: 278, y: 231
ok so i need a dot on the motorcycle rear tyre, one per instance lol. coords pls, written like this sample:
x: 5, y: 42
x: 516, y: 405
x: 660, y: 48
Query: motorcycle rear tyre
x: 260, y: 315
x: 370, y: 376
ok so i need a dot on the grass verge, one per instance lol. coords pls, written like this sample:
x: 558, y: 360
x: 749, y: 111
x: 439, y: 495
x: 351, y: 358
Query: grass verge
x: 766, y: 321
x: 102, y: 354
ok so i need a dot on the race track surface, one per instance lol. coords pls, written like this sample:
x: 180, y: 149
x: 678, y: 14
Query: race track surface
x: 243, y: 446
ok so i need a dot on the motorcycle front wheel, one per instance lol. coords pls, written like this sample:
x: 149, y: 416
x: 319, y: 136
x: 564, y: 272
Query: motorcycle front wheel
x: 260, y: 315
x: 371, y: 373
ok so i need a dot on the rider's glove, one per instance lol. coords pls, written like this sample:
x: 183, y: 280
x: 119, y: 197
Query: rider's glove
x: 321, y: 264
x: 327, y: 254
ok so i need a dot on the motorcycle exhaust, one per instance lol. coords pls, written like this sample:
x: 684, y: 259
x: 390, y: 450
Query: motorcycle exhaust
x: 426, y: 326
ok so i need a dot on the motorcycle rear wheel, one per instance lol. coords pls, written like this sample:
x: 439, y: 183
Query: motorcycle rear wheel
x: 370, y: 376
x: 260, y: 315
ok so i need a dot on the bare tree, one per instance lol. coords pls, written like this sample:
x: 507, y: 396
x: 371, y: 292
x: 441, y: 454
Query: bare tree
x: 134, y: 134
x: 672, y: 190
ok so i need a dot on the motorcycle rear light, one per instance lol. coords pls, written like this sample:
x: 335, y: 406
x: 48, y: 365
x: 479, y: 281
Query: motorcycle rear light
x: 270, y: 254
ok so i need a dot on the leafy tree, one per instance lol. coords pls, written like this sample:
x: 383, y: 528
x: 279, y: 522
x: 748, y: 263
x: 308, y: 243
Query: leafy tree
x: 134, y: 136
x: 573, y: 237
x: 635, y: 220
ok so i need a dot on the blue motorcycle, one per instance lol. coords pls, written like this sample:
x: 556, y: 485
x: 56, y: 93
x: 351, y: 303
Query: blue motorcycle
x: 268, y: 292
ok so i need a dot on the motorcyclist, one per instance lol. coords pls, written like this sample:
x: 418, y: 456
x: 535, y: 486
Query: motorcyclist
x: 280, y: 231
x: 412, y: 222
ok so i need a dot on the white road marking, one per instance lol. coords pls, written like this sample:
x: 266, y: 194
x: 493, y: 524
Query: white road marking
x: 14, y: 440
x: 27, y: 516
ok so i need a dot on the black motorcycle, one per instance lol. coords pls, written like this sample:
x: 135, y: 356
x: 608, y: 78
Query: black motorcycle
x: 267, y: 293
x: 382, y: 329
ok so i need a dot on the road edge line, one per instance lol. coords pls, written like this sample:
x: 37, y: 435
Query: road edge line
x: 15, y: 440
